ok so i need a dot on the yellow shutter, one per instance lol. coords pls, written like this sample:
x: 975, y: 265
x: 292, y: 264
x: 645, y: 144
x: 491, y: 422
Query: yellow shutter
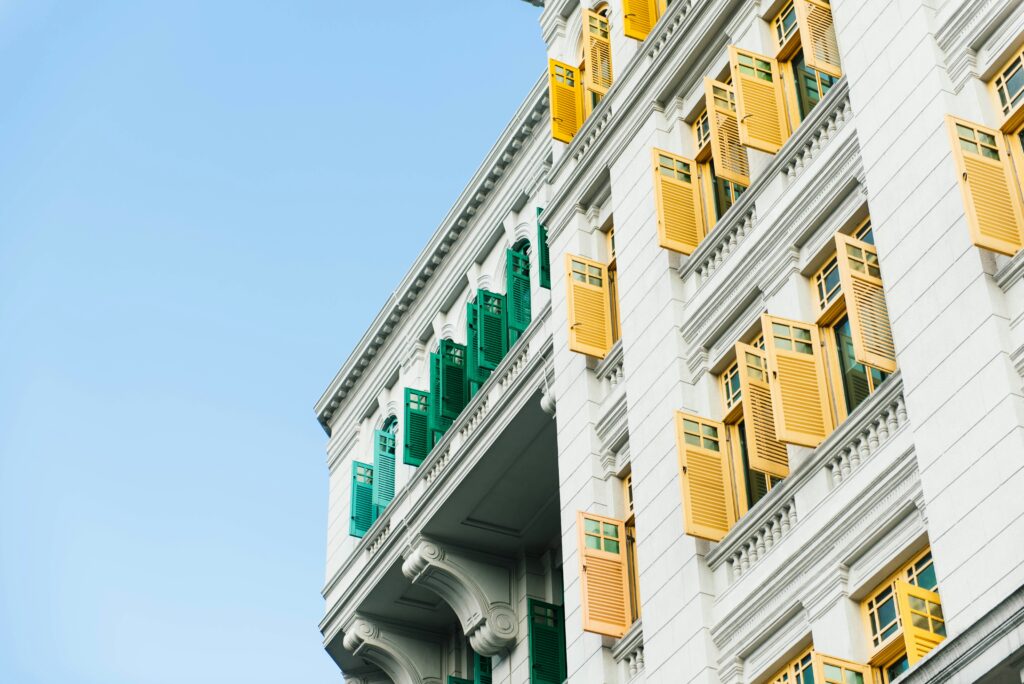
x: 861, y: 282
x: 640, y: 17
x: 589, y: 305
x: 709, y: 507
x: 604, y: 576
x: 597, y: 74
x: 818, y: 36
x: 924, y: 626
x: 830, y: 670
x: 764, y: 451
x: 759, y: 100
x: 729, y: 154
x: 566, y: 100
x: 800, y: 399
x: 677, y: 197
x: 991, y: 195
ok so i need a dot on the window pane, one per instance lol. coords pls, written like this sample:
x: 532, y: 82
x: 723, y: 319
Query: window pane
x: 591, y: 526
x: 611, y: 530
x: 611, y: 545
x: 856, y: 387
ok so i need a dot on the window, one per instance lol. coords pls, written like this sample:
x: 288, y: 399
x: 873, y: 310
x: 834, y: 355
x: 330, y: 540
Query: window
x: 361, y: 503
x: 811, y: 667
x: 1008, y: 86
x: 517, y: 280
x: 566, y: 94
x: 708, y: 494
x: 717, y: 194
x: 613, y: 286
x: 546, y: 636
x: 640, y: 16
x: 592, y: 302
x: 604, y: 575
x: 631, y: 562
x: 811, y: 85
x: 416, y: 427
x: 383, y: 474
x: 576, y: 91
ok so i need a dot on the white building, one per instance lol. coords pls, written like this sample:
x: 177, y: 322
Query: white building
x: 713, y: 372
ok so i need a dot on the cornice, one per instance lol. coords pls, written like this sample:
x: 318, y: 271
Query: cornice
x: 527, y: 119
x: 1011, y: 272
x: 965, y: 33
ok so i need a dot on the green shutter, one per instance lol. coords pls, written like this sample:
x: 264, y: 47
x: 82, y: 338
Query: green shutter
x: 452, y: 679
x: 547, y: 643
x: 383, y: 471
x: 492, y: 340
x: 437, y: 422
x: 517, y: 278
x: 481, y: 669
x: 417, y: 427
x: 452, y: 378
x: 362, y: 499
x: 476, y: 375
x: 543, y: 256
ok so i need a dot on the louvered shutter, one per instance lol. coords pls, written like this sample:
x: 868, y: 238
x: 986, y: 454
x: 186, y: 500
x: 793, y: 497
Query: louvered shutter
x: 764, y: 451
x: 830, y: 670
x: 492, y: 328
x: 452, y: 378
x: 416, y: 428
x: 761, y: 114
x: 543, y: 254
x: 476, y: 374
x: 639, y: 17
x: 481, y: 669
x: 726, y: 149
x: 861, y: 282
x: 566, y: 100
x: 597, y: 76
x: 383, y: 471
x: 818, y: 36
x: 546, y: 634
x: 452, y: 679
x: 517, y: 298
x: 708, y: 494
x: 677, y: 198
x: 604, y: 574
x: 589, y: 306
x: 991, y: 195
x: 362, y: 499
x: 800, y: 399
x: 924, y: 625
x: 437, y: 422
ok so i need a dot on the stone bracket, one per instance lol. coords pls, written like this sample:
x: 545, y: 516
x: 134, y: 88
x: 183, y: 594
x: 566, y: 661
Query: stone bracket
x: 406, y: 656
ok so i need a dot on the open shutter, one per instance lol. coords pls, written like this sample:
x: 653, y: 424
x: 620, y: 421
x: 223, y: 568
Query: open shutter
x: 566, y: 100
x: 604, y: 574
x: 452, y: 380
x: 543, y: 255
x: 639, y: 17
x: 861, y: 282
x: 818, y: 36
x: 726, y: 149
x: 517, y: 297
x: 383, y: 470
x: 597, y: 75
x: 759, y: 100
x: 991, y: 195
x: 546, y: 628
x: 476, y: 374
x: 709, y: 500
x: 800, y: 399
x: 452, y: 679
x: 437, y: 422
x: 492, y: 328
x: 362, y: 499
x: 589, y: 306
x: 416, y: 427
x: 764, y: 451
x: 829, y: 670
x: 924, y: 626
x: 481, y: 669
x: 677, y: 198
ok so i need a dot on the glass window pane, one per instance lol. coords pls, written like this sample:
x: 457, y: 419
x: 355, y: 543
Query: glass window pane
x: 611, y: 545
x: 593, y: 542
x: 591, y: 526
x: 611, y: 530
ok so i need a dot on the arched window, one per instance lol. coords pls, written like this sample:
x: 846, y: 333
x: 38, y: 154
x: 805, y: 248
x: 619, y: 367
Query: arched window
x: 517, y: 282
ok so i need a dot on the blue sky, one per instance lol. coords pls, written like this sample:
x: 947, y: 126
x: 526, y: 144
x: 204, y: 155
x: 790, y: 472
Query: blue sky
x: 202, y: 205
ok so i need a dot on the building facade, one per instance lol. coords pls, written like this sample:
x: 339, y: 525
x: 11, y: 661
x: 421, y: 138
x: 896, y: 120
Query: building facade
x: 713, y: 373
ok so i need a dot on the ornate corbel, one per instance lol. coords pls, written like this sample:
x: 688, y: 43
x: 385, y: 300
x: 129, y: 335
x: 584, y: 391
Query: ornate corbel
x: 406, y: 656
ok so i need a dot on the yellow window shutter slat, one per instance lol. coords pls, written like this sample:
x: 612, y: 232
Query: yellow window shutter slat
x: 924, y: 626
x: 677, y: 198
x: 764, y: 451
x: 566, y: 95
x: 991, y: 196
x: 709, y: 506
x: 589, y: 306
x: 759, y: 100
x: 861, y: 282
x: 818, y: 36
x: 800, y: 399
x: 729, y: 155
x: 597, y: 76
x: 640, y: 17
x: 604, y: 575
x: 831, y: 670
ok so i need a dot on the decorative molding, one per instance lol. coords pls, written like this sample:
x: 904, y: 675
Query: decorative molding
x: 975, y: 35
x: 1011, y: 272
x: 406, y: 656
x: 628, y: 652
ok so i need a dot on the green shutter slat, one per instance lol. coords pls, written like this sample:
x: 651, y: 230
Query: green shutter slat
x: 543, y: 256
x: 452, y: 386
x: 481, y: 669
x: 476, y: 375
x: 438, y: 423
x: 417, y: 426
x: 492, y: 328
x: 452, y: 679
x: 517, y: 297
x: 362, y: 499
x: 383, y: 471
x: 546, y: 628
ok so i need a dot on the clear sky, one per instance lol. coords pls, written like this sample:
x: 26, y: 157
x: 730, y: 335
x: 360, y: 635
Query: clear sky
x: 203, y: 203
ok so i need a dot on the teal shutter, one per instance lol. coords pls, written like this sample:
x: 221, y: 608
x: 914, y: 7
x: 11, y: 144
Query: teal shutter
x: 481, y: 669
x: 452, y: 679
x: 476, y: 375
x: 517, y: 278
x: 453, y: 386
x: 543, y: 256
x: 417, y: 427
x: 362, y: 499
x: 547, y: 643
x: 492, y: 325
x: 383, y: 471
x: 438, y: 423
